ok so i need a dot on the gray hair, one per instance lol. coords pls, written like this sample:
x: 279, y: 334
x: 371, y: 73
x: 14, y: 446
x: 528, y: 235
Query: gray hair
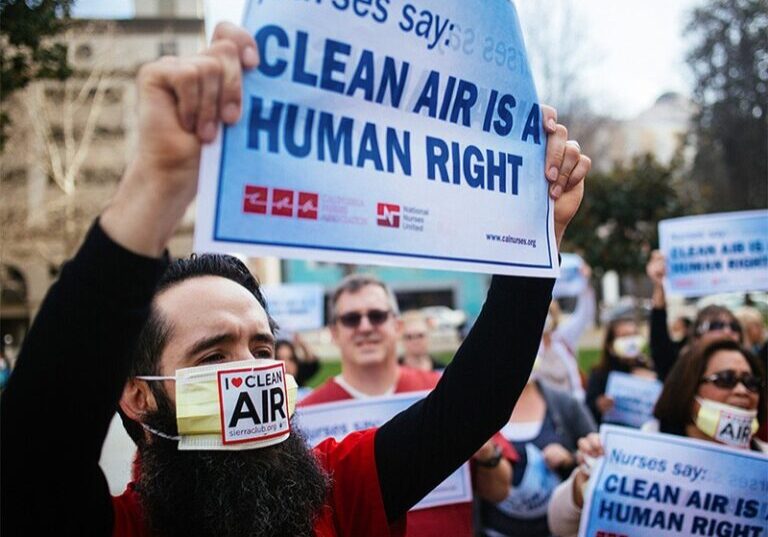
x: 352, y: 284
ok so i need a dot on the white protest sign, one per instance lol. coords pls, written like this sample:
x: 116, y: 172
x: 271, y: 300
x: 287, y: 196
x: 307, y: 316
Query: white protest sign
x: 633, y: 398
x: 336, y: 420
x: 651, y: 484
x: 295, y: 307
x: 387, y: 134
x: 571, y: 281
x: 716, y: 253
x: 253, y: 403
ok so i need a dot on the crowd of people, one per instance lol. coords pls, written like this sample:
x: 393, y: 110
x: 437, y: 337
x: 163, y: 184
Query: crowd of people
x: 126, y: 329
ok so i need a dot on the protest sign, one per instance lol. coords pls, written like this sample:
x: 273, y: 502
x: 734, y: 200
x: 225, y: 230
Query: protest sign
x: 571, y: 281
x: 716, y: 253
x: 336, y: 420
x: 633, y: 399
x: 651, y: 484
x: 384, y: 133
x: 295, y: 307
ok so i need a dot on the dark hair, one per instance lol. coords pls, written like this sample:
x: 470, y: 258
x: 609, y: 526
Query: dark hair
x: 280, y: 343
x: 710, y: 313
x: 673, y: 408
x: 154, y: 334
x: 608, y: 362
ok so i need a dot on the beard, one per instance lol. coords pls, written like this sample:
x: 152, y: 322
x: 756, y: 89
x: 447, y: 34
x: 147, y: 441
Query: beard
x: 276, y: 491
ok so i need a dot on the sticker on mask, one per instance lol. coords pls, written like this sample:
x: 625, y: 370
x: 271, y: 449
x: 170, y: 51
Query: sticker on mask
x: 253, y: 403
x: 734, y: 430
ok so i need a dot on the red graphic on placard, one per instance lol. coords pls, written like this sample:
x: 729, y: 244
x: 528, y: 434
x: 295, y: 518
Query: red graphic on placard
x: 388, y: 215
x: 255, y: 199
x: 282, y: 202
x: 308, y: 203
x: 601, y: 533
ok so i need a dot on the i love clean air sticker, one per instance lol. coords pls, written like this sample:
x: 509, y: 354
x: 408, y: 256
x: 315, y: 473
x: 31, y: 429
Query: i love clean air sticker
x: 253, y: 404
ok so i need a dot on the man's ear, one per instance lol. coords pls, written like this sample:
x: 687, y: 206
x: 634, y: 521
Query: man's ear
x: 137, y: 399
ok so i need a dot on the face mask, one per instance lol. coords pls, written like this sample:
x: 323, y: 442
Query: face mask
x: 628, y: 347
x: 232, y: 406
x: 725, y: 423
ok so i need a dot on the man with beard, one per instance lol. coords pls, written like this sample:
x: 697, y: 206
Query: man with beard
x: 75, y: 364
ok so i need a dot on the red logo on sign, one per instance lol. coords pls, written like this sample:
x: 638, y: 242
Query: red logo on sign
x: 255, y: 199
x: 308, y: 203
x: 282, y: 202
x: 388, y: 215
x: 601, y: 533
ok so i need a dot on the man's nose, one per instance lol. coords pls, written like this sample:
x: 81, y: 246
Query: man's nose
x: 365, y: 324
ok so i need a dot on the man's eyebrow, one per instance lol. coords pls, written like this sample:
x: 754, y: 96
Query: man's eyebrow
x: 206, y: 343
x: 264, y: 337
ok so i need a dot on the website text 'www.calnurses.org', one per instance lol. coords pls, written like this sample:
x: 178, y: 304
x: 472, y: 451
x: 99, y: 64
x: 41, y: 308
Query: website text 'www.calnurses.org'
x: 509, y: 239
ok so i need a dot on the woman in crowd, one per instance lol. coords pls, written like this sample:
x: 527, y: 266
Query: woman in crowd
x: 715, y: 378
x: 623, y: 352
x: 302, y: 368
x: 559, y: 342
x: 544, y: 428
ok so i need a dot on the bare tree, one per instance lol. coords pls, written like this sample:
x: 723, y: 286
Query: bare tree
x: 562, y: 55
x: 62, y: 119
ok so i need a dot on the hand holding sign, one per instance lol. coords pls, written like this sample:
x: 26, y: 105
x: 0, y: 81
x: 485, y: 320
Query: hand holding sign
x: 565, y: 168
x: 181, y: 101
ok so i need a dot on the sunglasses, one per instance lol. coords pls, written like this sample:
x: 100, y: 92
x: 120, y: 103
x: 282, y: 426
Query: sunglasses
x: 728, y: 380
x: 712, y: 326
x: 354, y: 318
x: 414, y: 337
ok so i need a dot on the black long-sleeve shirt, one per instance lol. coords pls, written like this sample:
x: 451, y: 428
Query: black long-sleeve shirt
x: 56, y: 410
x: 664, y: 351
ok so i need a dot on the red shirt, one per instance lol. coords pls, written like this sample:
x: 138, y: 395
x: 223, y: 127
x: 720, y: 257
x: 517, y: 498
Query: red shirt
x: 447, y: 520
x: 354, y: 506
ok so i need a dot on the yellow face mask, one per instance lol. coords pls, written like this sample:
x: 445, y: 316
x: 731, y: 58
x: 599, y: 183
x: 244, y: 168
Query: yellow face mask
x: 232, y: 406
x: 725, y: 423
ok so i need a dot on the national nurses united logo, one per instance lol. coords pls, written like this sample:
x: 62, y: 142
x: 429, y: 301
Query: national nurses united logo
x: 253, y: 403
x: 255, y: 199
x: 388, y: 215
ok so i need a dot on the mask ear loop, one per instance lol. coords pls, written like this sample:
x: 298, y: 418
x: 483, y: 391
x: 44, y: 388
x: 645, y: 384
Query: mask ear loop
x: 144, y: 425
x: 151, y: 377
x: 159, y: 433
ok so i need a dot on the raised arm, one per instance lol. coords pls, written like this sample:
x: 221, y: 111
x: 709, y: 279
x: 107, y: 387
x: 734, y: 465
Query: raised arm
x: 63, y: 393
x: 584, y: 314
x: 421, y: 446
x: 663, y: 349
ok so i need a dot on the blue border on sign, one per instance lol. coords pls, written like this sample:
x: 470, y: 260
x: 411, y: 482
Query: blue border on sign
x: 218, y: 237
x: 663, y: 438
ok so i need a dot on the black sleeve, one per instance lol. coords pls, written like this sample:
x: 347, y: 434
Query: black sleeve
x: 63, y: 393
x: 305, y: 371
x: 421, y: 446
x: 596, y: 384
x: 663, y: 349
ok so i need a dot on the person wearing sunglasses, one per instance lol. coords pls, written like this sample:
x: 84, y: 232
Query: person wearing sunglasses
x: 366, y: 325
x: 715, y: 392
x: 120, y: 305
x: 415, y: 339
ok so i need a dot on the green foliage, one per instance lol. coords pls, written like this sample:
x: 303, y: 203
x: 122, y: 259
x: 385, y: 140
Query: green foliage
x: 729, y: 59
x: 26, y: 52
x: 616, y: 226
